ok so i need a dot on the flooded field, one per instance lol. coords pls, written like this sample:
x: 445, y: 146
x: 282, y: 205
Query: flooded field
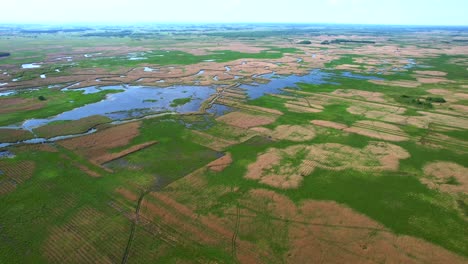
x: 133, y: 102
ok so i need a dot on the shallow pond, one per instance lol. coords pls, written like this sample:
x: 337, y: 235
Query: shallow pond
x: 219, y: 109
x: 358, y: 76
x: 277, y: 82
x: 44, y: 140
x: 95, y: 89
x: 30, y: 66
x: 7, y: 93
x: 133, y: 102
x: 5, y: 154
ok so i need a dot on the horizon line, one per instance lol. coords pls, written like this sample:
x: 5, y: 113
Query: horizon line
x: 55, y: 23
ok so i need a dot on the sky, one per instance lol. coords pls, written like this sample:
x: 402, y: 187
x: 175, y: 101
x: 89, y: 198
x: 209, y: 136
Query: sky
x: 397, y: 12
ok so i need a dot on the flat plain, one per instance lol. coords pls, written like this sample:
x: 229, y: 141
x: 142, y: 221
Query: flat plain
x: 233, y: 144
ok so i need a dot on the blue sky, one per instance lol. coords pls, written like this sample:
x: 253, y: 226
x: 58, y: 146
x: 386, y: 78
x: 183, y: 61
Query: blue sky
x: 406, y: 12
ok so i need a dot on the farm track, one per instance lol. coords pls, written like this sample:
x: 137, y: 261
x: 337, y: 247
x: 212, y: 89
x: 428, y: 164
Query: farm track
x: 133, y: 228
x: 236, y: 233
x: 429, y: 137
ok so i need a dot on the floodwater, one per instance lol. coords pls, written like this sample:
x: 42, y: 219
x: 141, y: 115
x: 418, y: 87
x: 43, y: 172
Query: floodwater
x: 219, y: 109
x: 30, y: 66
x: 6, y: 154
x: 132, y: 102
x: 411, y: 64
x: 7, y: 93
x: 360, y: 77
x: 137, y: 58
x: 44, y: 140
x: 277, y: 82
x: 95, y: 89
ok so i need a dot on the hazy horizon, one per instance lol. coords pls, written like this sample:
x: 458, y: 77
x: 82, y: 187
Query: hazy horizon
x: 356, y: 12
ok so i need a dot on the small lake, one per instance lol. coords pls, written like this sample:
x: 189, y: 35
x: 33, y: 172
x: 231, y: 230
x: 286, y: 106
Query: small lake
x: 277, y: 82
x: 133, y: 102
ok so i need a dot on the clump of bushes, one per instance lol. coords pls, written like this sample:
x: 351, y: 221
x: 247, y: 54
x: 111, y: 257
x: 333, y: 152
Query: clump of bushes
x: 436, y: 99
x: 420, y: 101
x: 41, y: 98
x: 305, y: 42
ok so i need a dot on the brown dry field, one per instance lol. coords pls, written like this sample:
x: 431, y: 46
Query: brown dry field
x: 437, y: 175
x: 372, y: 129
x: 14, y: 175
x: 329, y: 124
x: 11, y: 105
x: 327, y: 232
x: 221, y: 163
x: 210, y: 141
x: 289, y: 132
x: 359, y: 94
x: 14, y: 135
x: 96, y: 146
x: 244, y: 120
x: 431, y: 73
x: 274, y: 167
x: 378, y: 130
x: 37, y: 148
x: 266, y: 170
x: 301, y: 109
x: 406, y: 84
x: 70, y: 127
x: 394, y: 115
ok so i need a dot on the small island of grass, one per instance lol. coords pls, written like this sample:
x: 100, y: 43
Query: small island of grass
x: 180, y: 101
